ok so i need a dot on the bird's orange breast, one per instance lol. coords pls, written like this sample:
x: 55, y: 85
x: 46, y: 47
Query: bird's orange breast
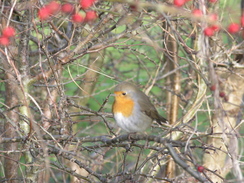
x: 123, y: 104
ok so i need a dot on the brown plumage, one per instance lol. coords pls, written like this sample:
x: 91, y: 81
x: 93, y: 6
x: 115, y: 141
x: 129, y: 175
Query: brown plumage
x: 132, y: 109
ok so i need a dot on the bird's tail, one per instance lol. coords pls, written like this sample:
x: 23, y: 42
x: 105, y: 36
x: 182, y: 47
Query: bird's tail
x: 161, y: 120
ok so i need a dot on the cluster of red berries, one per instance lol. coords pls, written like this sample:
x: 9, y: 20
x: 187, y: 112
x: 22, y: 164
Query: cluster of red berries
x: 7, y: 33
x: 48, y: 10
x: 86, y: 15
x: 210, y: 30
x: 232, y: 28
x: 54, y: 7
x: 221, y: 93
x: 180, y: 3
x: 90, y: 15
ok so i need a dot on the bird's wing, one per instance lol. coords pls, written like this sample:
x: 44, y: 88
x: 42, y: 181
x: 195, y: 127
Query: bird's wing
x: 149, y: 109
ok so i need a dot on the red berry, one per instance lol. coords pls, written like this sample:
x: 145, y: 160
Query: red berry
x: 208, y: 31
x: 86, y: 3
x: 179, y: 3
x: 4, y: 41
x: 133, y: 7
x: 242, y: 20
x: 53, y: 7
x: 77, y: 18
x: 8, y: 32
x: 213, y: 87
x: 222, y: 94
x: 197, y: 12
x: 215, y: 27
x: 213, y: 1
x: 90, y: 16
x: 213, y: 17
x: 233, y: 28
x: 200, y: 168
x: 44, y: 13
x: 67, y: 8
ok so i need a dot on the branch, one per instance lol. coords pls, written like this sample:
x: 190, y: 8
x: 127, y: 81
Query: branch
x: 79, y: 163
x: 183, y: 164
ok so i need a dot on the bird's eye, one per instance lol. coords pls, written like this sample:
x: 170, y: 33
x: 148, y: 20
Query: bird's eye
x: 124, y: 93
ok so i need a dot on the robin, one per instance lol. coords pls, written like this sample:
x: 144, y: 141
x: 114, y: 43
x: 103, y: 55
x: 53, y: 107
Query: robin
x: 132, y: 108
